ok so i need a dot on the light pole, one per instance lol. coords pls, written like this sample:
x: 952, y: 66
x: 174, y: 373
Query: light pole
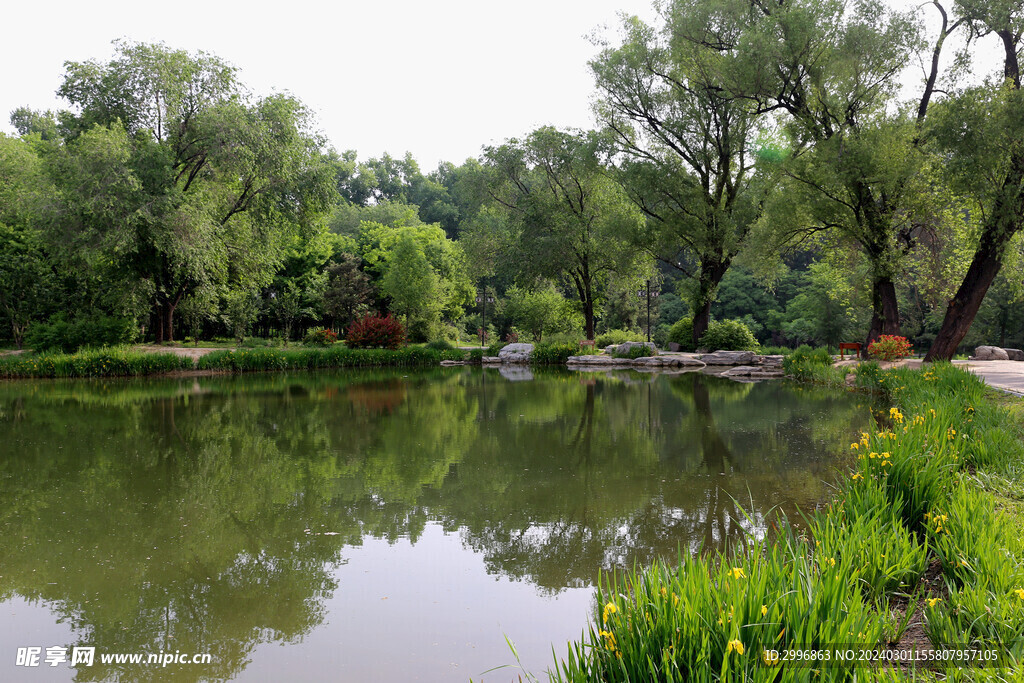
x: 646, y: 292
x: 483, y: 300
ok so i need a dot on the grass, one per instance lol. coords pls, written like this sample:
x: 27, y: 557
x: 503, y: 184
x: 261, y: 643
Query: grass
x: 106, y: 362
x: 923, y: 534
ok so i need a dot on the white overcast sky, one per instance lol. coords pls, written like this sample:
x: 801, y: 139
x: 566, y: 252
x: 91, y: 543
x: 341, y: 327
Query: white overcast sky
x: 439, y: 79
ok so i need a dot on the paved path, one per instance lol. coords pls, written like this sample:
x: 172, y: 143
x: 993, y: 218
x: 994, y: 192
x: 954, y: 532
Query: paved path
x: 1001, y: 374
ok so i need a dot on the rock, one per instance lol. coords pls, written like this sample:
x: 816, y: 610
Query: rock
x: 990, y: 353
x: 516, y: 353
x: 598, y: 361
x: 1014, y: 354
x: 610, y: 349
x: 516, y: 373
x: 674, y: 346
x: 729, y: 358
x: 451, y: 363
x: 771, y: 361
x: 752, y: 371
x: 668, y: 362
x: 490, y: 360
x: 625, y: 347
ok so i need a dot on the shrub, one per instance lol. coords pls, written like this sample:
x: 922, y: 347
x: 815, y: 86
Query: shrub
x: 728, y: 335
x: 322, y: 337
x: 890, y: 347
x: 554, y: 354
x: 803, y: 357
x: 682, y: 333
x: 495, y: 347
x: 59, y: 333
x: 375, y: 332
x: 636, y: 352
x: 440, y: 345
x: 617, y: 337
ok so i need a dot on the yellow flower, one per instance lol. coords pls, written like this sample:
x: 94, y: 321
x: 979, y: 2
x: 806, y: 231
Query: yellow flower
x: 856, y: 476
x: 664, y: 592
x: 738, y: 573
x: 933, y: 601
x: 1020, y: 593
x: 895, y: 414
x: 855, y: 446
x: 609, y: 639
x: 675, y: 599
x: 764, y: 610
x: 610, y: 608
x: 734, y: 645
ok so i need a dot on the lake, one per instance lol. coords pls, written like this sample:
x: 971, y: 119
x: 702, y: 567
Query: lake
x: 374, y: 525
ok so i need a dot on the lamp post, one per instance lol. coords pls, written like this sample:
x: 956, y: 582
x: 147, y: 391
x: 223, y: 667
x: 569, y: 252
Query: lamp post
x: 646, y: 292
x: 483, y: 300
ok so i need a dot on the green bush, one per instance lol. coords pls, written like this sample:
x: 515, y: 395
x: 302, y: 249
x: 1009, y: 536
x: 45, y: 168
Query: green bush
x: 440, y: 345
x: 554, y: 354
x: 636, y: 352
x: 804, y: 356
x: 106, y: 362
x: 322, y: 337
x: 617, y: 337
x: 728, y: 335
x: 682, y: 333
x: 59, y: 333
x: 495, y: 347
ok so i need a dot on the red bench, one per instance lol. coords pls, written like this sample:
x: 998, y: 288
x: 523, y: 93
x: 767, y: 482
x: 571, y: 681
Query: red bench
x: 848, y: 346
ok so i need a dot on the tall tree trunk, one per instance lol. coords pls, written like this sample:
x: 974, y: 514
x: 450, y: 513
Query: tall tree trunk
x: 588, y: 309
x: 885, y: 313
x: 964, y: 305
x: 711, y: 274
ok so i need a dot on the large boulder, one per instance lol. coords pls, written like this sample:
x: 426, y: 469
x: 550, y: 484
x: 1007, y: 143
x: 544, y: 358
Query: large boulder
x: 730, y: 358
x: 625, y: 348
x: 753, y: 372
x: 990, y: 353
x: 1015, y: 354
x: 516, y: 353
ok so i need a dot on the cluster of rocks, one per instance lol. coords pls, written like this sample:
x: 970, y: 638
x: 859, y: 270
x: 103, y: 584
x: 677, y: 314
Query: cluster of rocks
x: 996, y: 353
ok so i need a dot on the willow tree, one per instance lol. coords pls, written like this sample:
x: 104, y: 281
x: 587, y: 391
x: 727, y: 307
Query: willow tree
x: 197, y: 185
x: 565, y: 217
x: 828, y: 71
x: 682, y: 147
x: 981, y: 134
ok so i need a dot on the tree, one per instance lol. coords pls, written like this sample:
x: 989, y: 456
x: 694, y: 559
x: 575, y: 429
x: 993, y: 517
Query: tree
x: 349, y: 293
x: 567, y: 218
x: 198, y: 185
x: 540, y: 311
x: 982, y: 135
x: 25, y: 275
x: 683, y: 151
x: 411, y: 283
x: 831, y: 71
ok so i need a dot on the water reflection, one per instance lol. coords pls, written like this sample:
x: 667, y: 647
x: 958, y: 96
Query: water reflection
x: 213, y: 515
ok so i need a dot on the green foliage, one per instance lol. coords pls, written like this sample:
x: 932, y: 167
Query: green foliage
x: 440, y: 345
x: 617, y: 337
x: 682, y: 333
x: 554, y: 354
x: 541, y: 311
x: 311, y: 359
x: 70, y: 335
x: 728, y: 335
x: 495, y: 347
x: 636, y: 352
x: 321, y: 337
x: 374, y: 331
x: 106, y: 362
x: 804, y: 357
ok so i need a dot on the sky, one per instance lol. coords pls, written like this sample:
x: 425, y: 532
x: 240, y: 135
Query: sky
x: 439, y: 79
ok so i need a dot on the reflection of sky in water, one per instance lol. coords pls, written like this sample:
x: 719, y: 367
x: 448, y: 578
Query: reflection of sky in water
x: 446, y: 510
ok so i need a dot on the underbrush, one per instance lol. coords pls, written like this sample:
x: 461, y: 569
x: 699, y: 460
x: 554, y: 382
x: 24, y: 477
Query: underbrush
x: 249, y: 360
x: 855, y: 575
x: 115, y: 361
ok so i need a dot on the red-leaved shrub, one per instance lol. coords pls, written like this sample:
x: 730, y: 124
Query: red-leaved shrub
x: 375, y: 332
x: 890, y: 347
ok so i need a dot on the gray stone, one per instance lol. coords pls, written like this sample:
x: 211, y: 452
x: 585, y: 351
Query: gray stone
x: 674, y: 346
x: 989, y: 353
x: 450, y: 363
x: 771, y: 361
x: 752, y: 371
x: 729, y: 358
x: 516, y: 353
x: 1014, y: 354
x: 668, y: 362
x: 516, y: 373
x: 599, y: 361
x: 625, y: 347
x: 490, y: 360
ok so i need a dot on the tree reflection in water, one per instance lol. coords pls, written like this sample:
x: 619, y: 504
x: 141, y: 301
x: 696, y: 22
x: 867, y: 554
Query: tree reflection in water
x: 209, y: 515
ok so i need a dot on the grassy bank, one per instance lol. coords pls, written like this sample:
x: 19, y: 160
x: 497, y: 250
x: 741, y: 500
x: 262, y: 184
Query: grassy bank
x: 919, y: 546
x: 106, y: 362
x: 124, y: 362
x: 249, y: 360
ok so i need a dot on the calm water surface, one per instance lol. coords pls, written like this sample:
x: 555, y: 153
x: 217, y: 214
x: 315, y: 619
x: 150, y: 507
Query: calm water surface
x: 374, y: 525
